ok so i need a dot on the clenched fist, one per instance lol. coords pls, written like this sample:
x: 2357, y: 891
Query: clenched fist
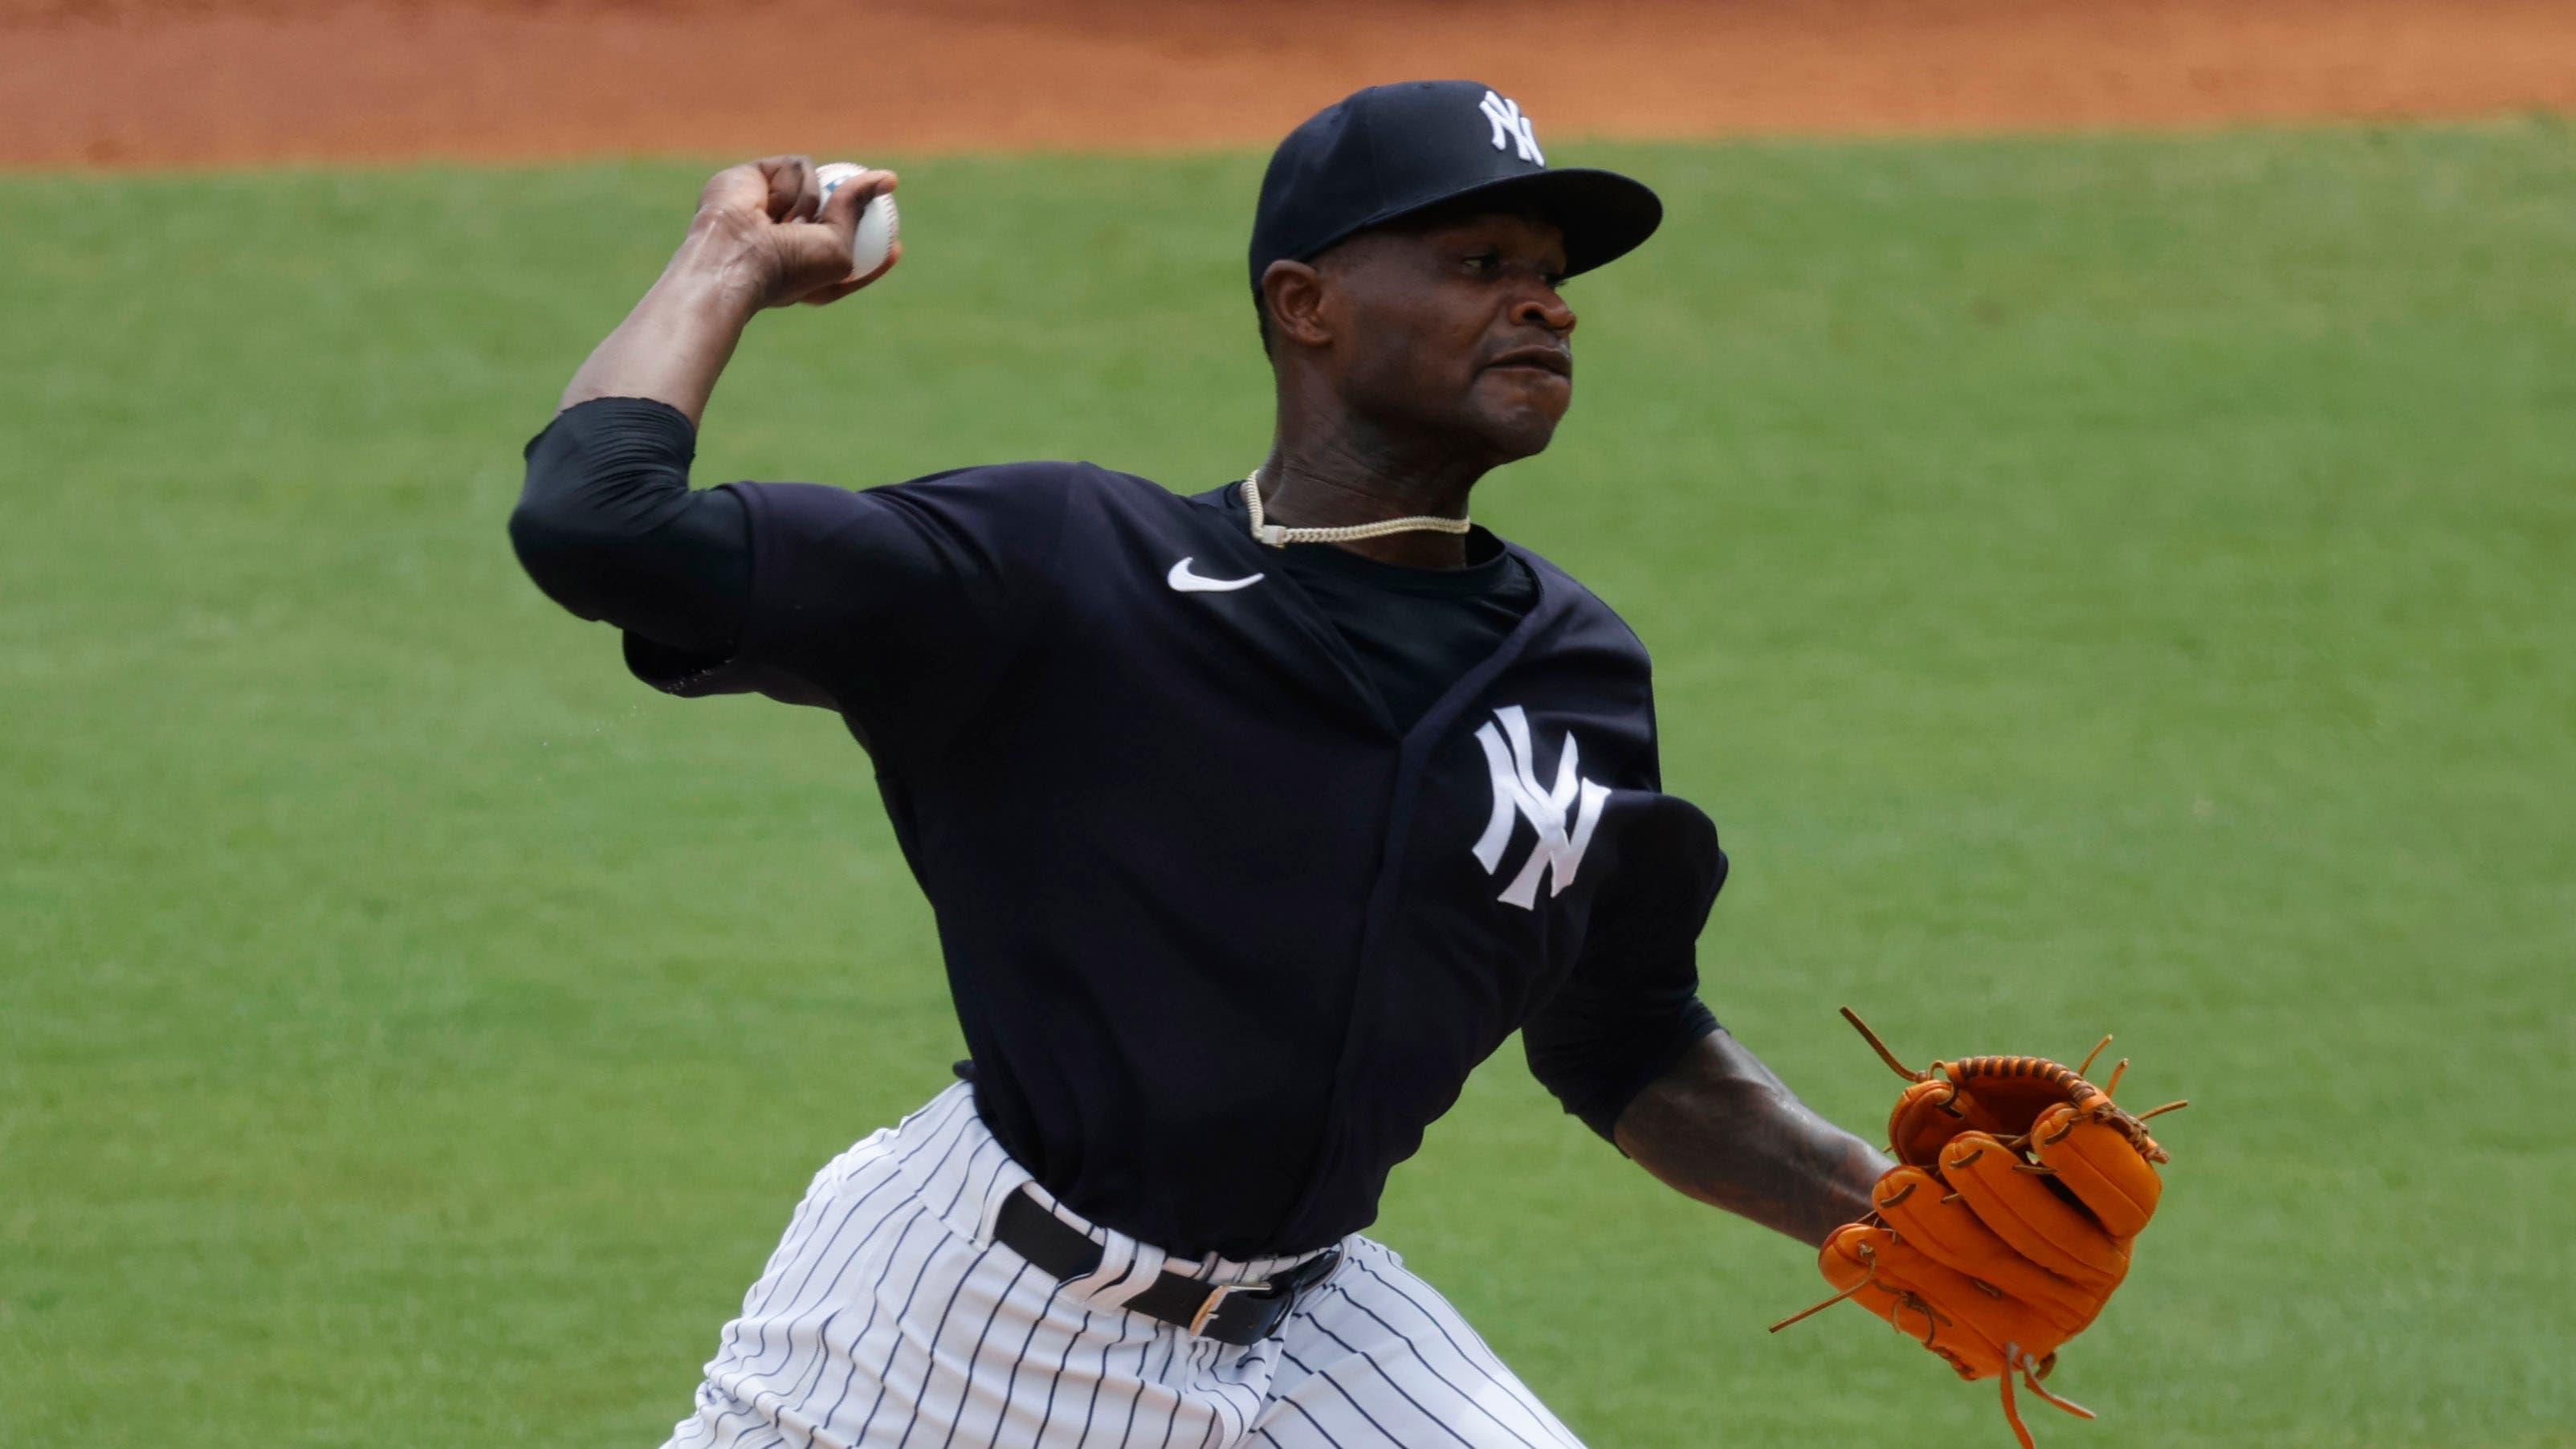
x: 763, y: 225
x: 760, y: 239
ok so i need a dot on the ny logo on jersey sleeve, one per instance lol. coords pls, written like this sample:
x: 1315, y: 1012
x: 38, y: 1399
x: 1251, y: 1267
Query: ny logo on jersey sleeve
x: 1564, y: 814
x: 1511, y: 128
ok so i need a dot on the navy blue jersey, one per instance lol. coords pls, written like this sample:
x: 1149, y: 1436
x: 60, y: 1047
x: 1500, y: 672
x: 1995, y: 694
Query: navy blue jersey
x: 1223, y: 937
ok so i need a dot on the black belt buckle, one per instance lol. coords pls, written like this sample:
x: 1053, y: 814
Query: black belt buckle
x: 1235, y: 1313
x: 1246, y: 1313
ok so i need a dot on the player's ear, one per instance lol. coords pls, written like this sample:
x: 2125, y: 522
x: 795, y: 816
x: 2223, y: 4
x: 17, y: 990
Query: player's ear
x: 1294, y: 293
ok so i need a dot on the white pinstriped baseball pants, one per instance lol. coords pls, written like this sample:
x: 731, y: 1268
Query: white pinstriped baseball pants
x: 890, y: 1317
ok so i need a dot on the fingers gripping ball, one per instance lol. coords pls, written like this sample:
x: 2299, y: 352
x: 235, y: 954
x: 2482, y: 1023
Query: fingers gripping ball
x: 2007, y: 1223
x: 873, y: 242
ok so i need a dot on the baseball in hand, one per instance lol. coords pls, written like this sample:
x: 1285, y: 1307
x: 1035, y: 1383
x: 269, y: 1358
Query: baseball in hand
x: 876, y: 232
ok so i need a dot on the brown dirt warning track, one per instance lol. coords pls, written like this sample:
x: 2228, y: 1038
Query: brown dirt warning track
x: 166, y: 83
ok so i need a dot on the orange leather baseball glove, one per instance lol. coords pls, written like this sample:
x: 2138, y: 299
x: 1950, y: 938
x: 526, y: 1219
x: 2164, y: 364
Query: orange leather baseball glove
x: 2008, y: 1219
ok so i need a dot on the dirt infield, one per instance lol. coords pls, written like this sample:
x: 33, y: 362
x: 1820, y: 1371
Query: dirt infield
x: 172, y: 83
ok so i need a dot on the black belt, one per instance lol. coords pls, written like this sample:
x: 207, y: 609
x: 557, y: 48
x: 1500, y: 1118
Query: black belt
x: 1236, y: 1313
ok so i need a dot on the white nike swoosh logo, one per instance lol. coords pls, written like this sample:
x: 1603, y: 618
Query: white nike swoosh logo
x: 1183, y: 581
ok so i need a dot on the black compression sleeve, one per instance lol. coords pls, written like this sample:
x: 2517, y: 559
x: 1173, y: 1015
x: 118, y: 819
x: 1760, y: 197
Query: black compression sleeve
x: 608, y: 527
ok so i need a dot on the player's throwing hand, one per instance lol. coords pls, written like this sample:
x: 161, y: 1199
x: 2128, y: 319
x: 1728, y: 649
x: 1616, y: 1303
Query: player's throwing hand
x: 772, y: 234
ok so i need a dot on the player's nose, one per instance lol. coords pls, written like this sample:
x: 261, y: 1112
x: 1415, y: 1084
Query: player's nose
x: 1544, y: 309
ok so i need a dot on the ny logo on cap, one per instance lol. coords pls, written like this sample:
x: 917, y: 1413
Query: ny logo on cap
x: 1510, y: 126
x: 1564, y: 815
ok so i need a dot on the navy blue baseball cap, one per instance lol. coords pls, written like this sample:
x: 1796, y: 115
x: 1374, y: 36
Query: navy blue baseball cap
x: 1389, y: 151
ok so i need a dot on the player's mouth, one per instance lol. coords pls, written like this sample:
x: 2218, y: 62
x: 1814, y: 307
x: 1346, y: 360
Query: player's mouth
x: 1542, y: 359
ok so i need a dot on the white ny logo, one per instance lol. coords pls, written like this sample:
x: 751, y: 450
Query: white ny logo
x: 1517, y: 795
x: 1510, y: 126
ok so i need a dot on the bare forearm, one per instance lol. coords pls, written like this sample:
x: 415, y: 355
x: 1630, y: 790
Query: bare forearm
x: 1723, y: 1129
x: 676, y: 342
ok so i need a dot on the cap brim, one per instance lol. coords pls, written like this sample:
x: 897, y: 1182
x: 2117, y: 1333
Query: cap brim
x: 1603, y: 214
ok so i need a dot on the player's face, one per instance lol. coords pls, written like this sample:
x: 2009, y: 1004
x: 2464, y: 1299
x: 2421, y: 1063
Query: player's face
x: 1455, y: 328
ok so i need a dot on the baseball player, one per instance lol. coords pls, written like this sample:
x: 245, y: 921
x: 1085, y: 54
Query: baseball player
x: 1253, y: 819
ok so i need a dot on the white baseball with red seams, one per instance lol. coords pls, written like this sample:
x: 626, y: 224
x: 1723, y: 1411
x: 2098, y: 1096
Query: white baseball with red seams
x: 874, y: 239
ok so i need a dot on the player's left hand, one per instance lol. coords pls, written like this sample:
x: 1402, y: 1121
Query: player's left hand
x: 2007, y: 1222
x: 766, y: 229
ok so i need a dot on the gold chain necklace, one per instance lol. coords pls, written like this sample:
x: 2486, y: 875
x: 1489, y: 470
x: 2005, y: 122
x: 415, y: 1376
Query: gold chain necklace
x: 1278, y: 536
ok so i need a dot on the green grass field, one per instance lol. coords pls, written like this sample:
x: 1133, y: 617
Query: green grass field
x: 2097, y: 584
